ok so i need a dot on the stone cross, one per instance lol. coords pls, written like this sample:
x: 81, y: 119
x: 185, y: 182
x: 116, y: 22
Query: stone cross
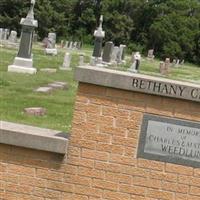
x: 99, y: 34
x: 23, y: 63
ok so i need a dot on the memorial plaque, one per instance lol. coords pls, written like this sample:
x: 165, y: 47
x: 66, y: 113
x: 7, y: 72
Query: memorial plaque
x: 170, y: 140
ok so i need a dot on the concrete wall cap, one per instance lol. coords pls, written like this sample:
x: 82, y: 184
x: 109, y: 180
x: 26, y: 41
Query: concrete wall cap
x: 138, y: 82
x: 33, y: 137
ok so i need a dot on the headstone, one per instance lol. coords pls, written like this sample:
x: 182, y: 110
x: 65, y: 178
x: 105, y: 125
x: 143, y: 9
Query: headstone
x: 6, y: 34
x: 1, y: 33
x: 70, y: 45
x: 51, y: 45
x: 164, y: 67
x: 182, y: 62
x: 167, y: 63
x: 174, y: 63
x: 48, y: 70
x: 35, y: 37
x: 124, y: 52
x: 75, y: 45
x: 62, y: 43
x: 35, y: 111
x: 64, y: 84
x: 66, y: 62
x: 107, y: 52
x: 51, y: 41
x: 114, y: 54
x: 13, y: 37
x: 150, y: 54
x: 23, y: 63
x: 118, y: 56
x: 99, y: 34
x: 178, y: 62
x: 121, y: 54
x: 79, y: 45
x: 66, y: 44
x: 56, y: 86
x: 52, y: 52
x: 136, y: 63
x: 81, y: 59
x: 45, y: 42
x: 44, y: 89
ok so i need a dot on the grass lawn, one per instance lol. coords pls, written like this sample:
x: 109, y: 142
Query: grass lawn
x: 17, y: 90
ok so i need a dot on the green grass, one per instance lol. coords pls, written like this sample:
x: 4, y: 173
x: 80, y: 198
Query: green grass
x: 17, y: 90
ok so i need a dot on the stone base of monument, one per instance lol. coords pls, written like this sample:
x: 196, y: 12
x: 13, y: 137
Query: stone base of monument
x: 53, y: 52
x: 22, y: 65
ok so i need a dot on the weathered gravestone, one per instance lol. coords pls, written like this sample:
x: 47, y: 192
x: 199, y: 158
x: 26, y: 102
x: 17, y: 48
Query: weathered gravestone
x: 51, y: 45
x: 136, y: 63
x: 150, y: 55
x: 35, y: 111
x: 114, y: 54
x: 107, y: 52
x: 13, y: 37
x: 23, y: 63
x: 66, y: 44
x: 1, y: 33
x: 6, y: 34
x: 66, y: 62
x: 81, y: 59
x: 121, y: 55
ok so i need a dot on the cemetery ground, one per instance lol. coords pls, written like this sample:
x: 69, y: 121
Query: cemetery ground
x: 17, y: 90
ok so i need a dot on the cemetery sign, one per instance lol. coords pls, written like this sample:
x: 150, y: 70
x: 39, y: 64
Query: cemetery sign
x: 170, y: 140
x: 166, y: 89
x: 138, y: 83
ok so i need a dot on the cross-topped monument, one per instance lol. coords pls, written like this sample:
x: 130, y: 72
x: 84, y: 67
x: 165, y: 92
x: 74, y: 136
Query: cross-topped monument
x: 23, y: 62
x: 99, y: 34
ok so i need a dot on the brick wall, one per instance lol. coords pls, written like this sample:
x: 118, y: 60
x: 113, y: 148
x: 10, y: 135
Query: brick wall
x: 101, y: 161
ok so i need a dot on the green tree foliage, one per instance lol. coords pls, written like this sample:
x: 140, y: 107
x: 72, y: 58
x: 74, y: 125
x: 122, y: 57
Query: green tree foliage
x: 171, y: 27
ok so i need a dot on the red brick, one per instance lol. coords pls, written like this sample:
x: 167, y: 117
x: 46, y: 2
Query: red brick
x: 179, y: 169
x: 96, y: 155
x: 160, y: 194
x: 116, y: 195
x: 89, y: 191
x: 132, y: 189
x: 18, y: 169
x: 93, y: 173
x: 51, y: 175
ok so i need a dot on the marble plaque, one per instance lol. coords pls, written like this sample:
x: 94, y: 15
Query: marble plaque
x: 170, y: 140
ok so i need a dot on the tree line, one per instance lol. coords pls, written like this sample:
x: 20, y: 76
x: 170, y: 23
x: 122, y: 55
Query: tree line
x: 170, y: 27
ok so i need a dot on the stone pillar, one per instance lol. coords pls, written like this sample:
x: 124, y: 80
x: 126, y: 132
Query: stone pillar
x: 23, y: 63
